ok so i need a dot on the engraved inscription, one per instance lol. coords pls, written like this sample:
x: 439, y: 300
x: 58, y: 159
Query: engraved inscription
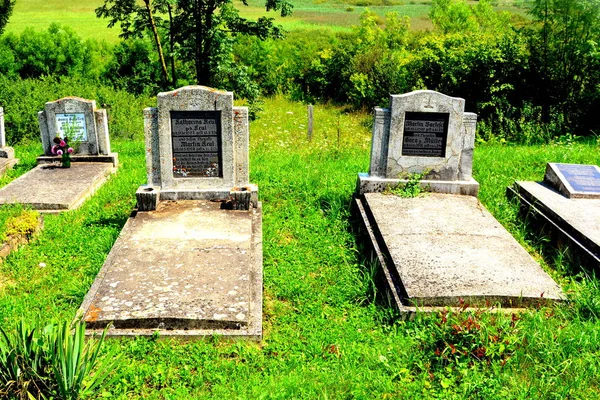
x: 582, y: 178
x: 72, y: 126
x: 425, y: 134
x: 196, y: 140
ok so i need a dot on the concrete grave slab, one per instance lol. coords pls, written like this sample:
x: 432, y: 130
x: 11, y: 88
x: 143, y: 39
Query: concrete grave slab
x: 189, y: 261
x: 7, y: 154
x: 575, y: 221
x: 50, y: 188
x: 186, y: 269
x: 440, y: 248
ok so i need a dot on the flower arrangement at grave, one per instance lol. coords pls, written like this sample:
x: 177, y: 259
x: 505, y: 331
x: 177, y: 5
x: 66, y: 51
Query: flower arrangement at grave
x: 61, y: 148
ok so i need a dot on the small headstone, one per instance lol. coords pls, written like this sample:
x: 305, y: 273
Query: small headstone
x: 422, y: 132
x: 82, y: 123
x: 92, y: 161
x: 574, y: 181
x: 7, y: 154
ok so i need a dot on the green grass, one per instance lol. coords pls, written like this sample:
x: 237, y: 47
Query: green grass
x: 323, y: 336
x: 307, y: 14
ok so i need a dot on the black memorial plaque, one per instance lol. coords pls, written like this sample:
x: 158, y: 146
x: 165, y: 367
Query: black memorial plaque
x: 196, y: 140
x: 582, y: 178
x: 425, y: 134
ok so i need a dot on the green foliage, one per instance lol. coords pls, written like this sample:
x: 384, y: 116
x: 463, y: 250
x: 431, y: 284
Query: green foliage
x: 51, y: 362
x: 23, y: 224
x: 412, y: 188
x: 6, y: 9
x: 58, y: 51
x: 24, y: 98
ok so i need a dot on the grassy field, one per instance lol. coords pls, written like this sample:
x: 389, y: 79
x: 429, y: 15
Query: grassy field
x: 307, y: 14
x: 324, y: 336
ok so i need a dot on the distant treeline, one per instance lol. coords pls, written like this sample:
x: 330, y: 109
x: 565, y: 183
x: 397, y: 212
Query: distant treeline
x: 528, y: 84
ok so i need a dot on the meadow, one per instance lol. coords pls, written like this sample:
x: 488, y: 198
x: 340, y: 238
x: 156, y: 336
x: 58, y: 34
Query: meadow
x: 326, y: 335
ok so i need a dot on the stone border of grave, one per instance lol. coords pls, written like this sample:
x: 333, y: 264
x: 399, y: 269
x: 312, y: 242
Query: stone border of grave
x: 94, y: 145
x: 543, y: 218
x: 445, y: 159
x: 7, y: 154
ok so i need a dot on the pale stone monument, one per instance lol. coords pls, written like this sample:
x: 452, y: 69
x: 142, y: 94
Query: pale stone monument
x: 7, y: 154
x: 188, y: 263
x: 87, y: 125
x: 196, y: 148
x: 565, y: 207
x: 92, y: 160
x: 443, y: 247
x: 422, y: 132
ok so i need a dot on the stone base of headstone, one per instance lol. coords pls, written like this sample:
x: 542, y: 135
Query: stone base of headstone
x: 147, y: 198
x: 112, y: 158
x: 50, y: 188
x: 567, y: 221
x: 441, y: 250
x: 374, y: 184
x: 188, y: 269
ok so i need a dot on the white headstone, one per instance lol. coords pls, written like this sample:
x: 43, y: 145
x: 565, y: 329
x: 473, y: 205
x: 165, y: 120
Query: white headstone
x: 80, y: 121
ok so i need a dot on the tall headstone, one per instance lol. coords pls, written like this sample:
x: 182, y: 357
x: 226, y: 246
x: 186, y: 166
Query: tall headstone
x: 79, y: 119
x: 196, y: 148
x: 422, y: 132
x: 7, y: 154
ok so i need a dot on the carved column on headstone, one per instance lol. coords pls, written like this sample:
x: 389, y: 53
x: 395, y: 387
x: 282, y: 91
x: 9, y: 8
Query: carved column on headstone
x: 102, y: 131
x: 381, y: 130
x: 466, y: 158
x: 241, y: 139
x: 152, y: 146
x: 5, y: 151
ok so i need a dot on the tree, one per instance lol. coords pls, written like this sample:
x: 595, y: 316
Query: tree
x: 199, y: 31
x: 6, y: 9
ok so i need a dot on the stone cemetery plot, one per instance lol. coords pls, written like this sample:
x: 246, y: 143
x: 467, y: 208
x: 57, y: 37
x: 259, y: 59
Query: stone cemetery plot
x: 438, y: 249
x: 7, y: 154
x: 566, y: 205
x: 76, y: 161
x: 188, y: 263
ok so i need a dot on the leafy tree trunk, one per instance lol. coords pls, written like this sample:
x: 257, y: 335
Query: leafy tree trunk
x: 161, y: 55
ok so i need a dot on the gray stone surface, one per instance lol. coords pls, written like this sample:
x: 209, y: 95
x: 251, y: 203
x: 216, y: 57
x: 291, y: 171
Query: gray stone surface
x: 439, y: 248
x: 577, y: 220
x: 575, y: 181
x: 186, y: 269
x: 96, y: 126
x: 7, y: 154
x: 453, y: 163
x: 53, y: 189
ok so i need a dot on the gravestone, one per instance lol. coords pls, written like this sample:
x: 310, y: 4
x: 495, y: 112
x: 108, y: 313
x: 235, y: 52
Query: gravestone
x: 92, y: 159
x: 7, y: 154
x: 188, y: 263
x: 423, y: 132
x: 442, y: 248
x: 565, y: 207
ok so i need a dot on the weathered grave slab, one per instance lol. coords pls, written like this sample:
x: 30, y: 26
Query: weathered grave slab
x: 574, y: 221
x: 440, y: 248
x: 186, y: 269
x: 7, y: 154
x: 50, y: 188
x: 189, y: 262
